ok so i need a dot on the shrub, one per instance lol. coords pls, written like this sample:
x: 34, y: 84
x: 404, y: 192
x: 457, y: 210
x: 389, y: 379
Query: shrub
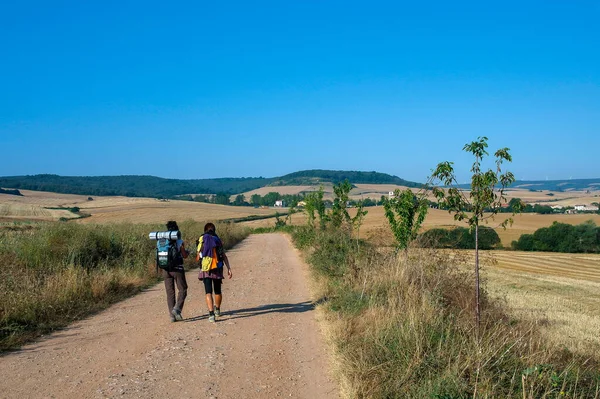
x: 459, y: 238
x: 562, y: 237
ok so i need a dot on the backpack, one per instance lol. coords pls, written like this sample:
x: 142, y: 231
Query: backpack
x: 168, y: 257
x: 209, y: 247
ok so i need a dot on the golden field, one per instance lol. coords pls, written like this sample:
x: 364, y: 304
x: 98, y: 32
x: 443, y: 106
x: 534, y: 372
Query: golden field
x: 283, y: 190
x: 560, y: 292
x: 31, y: 206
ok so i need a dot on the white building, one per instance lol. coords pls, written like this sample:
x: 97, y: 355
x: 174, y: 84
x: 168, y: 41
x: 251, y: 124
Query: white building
x: 591, y: 208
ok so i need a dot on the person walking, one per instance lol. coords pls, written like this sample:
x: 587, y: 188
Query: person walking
x: 210, y: 247
x: 176, y: 276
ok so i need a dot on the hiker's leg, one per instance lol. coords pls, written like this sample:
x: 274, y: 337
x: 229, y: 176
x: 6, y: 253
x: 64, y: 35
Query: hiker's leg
x: 170, y: 288
x: 208, y: 289
x: 182, y: 288
x: 218, y: 295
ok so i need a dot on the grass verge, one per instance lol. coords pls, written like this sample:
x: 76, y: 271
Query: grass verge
x: 402, y: 327
x: 55, y: 273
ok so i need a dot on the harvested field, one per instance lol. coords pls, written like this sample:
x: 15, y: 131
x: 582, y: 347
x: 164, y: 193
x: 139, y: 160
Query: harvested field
x: 552, y: 197
x: 559, y: 291
x: 374, y: 191
x: 155, y: 211
x: 33, y: 206
x: 115, y: 209
x: 18, y: 211
x: 574, y: 266
x: 328, y: 188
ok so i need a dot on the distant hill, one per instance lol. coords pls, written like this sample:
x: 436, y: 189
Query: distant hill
x: 559, y: 185
x: 554, y: 185
x: 316, y: 176
x: 157, y: 187
x: 131, y: 186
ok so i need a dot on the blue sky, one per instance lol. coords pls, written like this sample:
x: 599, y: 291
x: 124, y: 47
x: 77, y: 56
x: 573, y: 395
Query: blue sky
x: 264, y: 88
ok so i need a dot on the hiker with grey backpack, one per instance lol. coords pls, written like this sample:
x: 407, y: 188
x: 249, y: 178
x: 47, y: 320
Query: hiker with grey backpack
x: 170, y: 253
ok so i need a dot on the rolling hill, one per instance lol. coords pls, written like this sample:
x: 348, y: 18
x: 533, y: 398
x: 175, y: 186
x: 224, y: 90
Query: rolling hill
x: 157, y: 187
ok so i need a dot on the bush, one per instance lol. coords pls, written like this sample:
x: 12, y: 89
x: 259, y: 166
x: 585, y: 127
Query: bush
x: 562, y: 237
x: 459, y: 238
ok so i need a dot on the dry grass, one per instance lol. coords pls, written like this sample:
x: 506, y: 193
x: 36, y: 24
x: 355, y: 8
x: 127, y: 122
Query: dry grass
x: 403, y: 327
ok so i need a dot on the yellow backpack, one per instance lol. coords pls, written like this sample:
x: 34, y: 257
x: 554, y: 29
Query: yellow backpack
x: 208, y: 262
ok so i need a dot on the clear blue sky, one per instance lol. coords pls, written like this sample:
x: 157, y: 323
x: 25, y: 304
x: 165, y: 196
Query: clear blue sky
x: 264, y: 88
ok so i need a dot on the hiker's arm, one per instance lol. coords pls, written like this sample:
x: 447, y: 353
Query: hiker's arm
x: 226, y: 260
x: 184, y: 252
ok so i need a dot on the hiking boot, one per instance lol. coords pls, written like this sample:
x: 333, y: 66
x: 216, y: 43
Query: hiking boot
x: 177, y: 314
x: 217, y: 312
x: 211, y: 318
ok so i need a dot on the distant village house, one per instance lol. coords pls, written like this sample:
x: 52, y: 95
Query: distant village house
x: 588, y: 208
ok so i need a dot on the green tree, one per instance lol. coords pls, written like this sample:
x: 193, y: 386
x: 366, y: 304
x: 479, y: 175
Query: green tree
x: 239, y: 200
x: 339, y: 211
x: 270, y: 198
x: 485, y: 197
x: 405, y: 213
x: 221, y: 198
x: 367, y: 202
x: 459, y: 238
x: 256, y: 200
x: 314, y: 203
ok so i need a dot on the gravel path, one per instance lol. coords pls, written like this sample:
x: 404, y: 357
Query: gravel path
x: 267, y: 344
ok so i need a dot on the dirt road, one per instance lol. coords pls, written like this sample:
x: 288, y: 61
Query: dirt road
x: 266, y: 345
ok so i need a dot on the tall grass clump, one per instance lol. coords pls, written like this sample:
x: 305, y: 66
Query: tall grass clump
x: 403, y: 327
x: 55, y: 273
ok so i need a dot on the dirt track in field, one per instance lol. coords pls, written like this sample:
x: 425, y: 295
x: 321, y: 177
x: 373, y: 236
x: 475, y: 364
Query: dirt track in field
x: 266, y: 345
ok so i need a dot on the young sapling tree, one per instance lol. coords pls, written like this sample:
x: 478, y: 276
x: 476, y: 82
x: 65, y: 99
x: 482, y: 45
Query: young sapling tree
x: 484, y: 200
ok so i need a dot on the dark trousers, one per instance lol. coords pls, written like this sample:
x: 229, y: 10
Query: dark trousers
x: 171, y: 279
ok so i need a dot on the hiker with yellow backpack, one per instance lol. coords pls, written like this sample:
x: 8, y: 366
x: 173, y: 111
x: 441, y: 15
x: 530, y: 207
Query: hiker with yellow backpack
x: 211, y: 256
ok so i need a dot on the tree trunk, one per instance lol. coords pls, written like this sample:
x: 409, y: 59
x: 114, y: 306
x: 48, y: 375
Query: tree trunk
x: 477, y: 307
